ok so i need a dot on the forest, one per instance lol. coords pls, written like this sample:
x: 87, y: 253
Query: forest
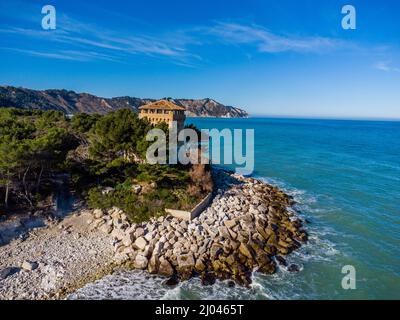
x: 103, y: 157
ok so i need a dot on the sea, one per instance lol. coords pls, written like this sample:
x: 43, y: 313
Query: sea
x: 345, y: 178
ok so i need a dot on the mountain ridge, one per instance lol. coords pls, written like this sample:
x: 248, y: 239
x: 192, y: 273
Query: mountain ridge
x: 72, y: 102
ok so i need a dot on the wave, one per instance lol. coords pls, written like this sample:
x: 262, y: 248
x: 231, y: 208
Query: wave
x: 123, y: 285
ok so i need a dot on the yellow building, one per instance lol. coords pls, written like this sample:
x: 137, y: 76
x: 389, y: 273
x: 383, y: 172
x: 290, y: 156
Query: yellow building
x: 163, y: 111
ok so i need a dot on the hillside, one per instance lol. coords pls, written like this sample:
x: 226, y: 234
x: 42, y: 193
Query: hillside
x: 71, y: 102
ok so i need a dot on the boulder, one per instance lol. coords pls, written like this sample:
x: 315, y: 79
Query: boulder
x: 170, y: 235
x: 283, y: 251
x: 131, y: 230
x: 224, y: 232
x: 140, y: 262
x: 231, y: 259
x: 247, y: 251
x: 232, y: 233
x: 293, y: 268
x: 271, y: 250
x: 29, y: 265
x: 208, y: 278
x: 149, y: 236
x: 128, y: 240
x: 118, y: 246
x: 185, y: 266
x: 200, y: 266
x: 118, y: 234
x: 272, y: 240
x: 165, y: 268
x: 153, y: 264
x: 215, y: 251
x: 284, y: 244
x: 139, y: 232
x: 184, y: 224
x: 194, y: 248
x: 172, y: 281
x: 141, y: 243
x: 217, y: 265
x: 128, y: 251
x: 281, y: 261
x: 98, y: 213
x: 262, y: 232
x: 118, y: 223
x: 120, y: 258
x: 230, y: 223
x: 105, y: 228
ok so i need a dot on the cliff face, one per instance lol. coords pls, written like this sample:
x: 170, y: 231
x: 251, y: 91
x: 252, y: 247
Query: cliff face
x: 210, y: 108
x: 71, y: 102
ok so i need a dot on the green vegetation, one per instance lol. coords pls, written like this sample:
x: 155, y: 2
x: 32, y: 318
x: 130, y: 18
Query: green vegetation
x: 33, y: 146
x: 103, y: 156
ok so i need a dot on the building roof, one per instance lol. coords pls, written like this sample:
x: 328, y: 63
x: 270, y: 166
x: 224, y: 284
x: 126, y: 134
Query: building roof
x: 162, y: 104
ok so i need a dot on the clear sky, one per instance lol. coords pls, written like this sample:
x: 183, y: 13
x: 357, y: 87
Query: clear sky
x: 287, y: 57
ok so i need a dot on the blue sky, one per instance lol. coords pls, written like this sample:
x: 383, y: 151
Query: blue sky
x: 288, y: 58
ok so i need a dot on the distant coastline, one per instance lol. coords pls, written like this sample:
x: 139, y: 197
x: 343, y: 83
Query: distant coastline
x: 333, y: 118
x: 71, y: 102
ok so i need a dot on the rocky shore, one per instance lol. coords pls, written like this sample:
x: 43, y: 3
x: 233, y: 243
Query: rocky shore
x: 50, y: 262
x: 247, y: 228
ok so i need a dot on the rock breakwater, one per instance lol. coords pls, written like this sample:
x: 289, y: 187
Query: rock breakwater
x: 248, y: 227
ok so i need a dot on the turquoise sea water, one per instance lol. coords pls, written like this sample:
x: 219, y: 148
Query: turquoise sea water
x: 345, y: 177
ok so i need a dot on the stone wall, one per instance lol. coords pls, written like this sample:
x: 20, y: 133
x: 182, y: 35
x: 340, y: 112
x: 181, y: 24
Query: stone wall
x: 189, y: 215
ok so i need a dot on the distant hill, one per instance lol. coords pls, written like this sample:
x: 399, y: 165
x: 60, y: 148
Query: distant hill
x: 71, y: 102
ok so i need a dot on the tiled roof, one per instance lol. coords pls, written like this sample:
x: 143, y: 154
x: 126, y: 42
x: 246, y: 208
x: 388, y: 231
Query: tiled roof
x: 162, y: 104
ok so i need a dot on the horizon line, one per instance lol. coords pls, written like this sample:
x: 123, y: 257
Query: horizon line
x: 300, y: 117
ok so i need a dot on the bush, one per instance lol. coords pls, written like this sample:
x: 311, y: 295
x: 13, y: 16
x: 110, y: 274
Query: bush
x: 123, y: 198
x: 202, y: 180
x: 83, y: 122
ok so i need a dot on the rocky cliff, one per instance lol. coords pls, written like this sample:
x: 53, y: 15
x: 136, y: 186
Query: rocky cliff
x: 71, y: 102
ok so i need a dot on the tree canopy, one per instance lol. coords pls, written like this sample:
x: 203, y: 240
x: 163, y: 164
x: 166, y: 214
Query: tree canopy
x: 95, y: 151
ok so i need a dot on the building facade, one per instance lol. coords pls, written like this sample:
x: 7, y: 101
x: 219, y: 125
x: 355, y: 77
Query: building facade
x: 163, y: 111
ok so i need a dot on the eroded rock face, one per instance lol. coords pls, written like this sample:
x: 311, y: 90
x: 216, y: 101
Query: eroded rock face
x: 244, y: 229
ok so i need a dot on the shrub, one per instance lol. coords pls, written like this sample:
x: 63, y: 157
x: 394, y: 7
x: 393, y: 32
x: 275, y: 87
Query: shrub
x: 201, y: 177
x: 137, y: 210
